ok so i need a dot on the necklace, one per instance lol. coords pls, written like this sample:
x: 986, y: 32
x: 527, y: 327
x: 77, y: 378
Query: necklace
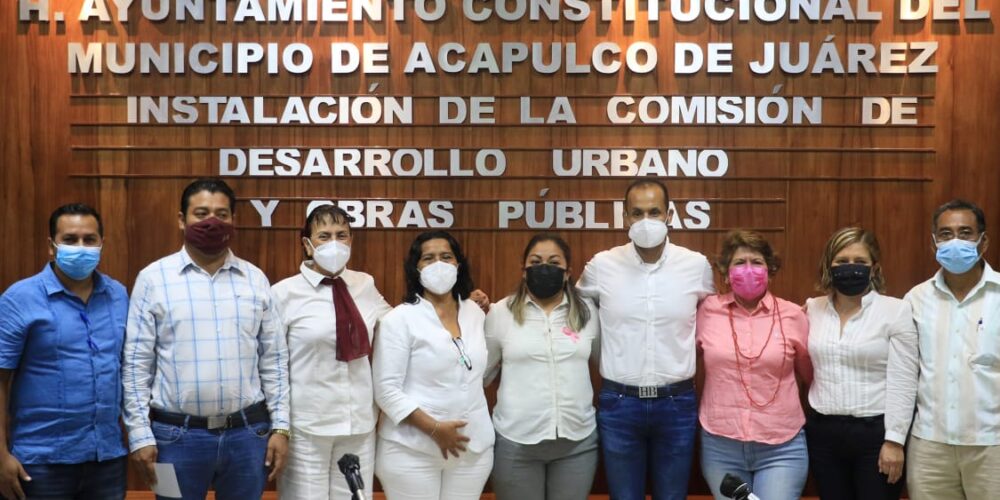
x: 738, y: 353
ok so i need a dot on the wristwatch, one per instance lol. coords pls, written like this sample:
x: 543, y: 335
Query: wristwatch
x: 282, y: 432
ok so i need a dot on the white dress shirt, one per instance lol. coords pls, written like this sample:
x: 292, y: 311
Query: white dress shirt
x: 647, y: 312
x: 871, y: 367
x: 545, y: 390
x: 958, y: 399
x: 201, y: 344
x: 417, y: 366
x: 328, y: 397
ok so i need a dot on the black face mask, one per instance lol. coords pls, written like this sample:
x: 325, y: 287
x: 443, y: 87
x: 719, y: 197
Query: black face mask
x: 544, y: 280
x: 851, y: 279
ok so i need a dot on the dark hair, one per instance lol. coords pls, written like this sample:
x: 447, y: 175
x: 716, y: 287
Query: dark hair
x: 210, y: 185
x: 648, y: 182
x: 578, y: 314
x: 329, y: 214
x: 752, y: 240
x: 959, y: 204
x: 74, y: 209
x: 463, y: 285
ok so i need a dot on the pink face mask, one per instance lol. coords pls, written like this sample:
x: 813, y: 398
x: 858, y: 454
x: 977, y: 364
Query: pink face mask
x: 748, y: 282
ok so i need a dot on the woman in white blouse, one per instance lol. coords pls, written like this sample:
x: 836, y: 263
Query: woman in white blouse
x: 864, y: 352
x: 332, y: 401
x: 543, y: 337
x: 435, y: 439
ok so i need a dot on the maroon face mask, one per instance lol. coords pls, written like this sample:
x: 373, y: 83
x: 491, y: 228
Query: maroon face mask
x: 211, y: 236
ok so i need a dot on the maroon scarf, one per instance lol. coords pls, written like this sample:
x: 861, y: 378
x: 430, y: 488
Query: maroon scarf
x: 352, y: 334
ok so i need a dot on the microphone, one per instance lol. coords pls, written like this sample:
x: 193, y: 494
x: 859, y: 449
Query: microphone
x: 350, y: 466
x: 736, y: 488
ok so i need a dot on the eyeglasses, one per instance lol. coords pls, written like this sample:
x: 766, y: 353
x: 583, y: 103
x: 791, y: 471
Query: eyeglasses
x: 944, y: 236
x: 463, y: 358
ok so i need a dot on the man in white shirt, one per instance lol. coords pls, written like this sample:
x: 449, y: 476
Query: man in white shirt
x: 955, y: 449
x: 647, y: 293
x: 332, y: 400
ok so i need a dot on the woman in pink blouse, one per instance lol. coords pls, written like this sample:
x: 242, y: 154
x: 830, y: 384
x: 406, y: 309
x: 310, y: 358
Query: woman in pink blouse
x: 753, y: 345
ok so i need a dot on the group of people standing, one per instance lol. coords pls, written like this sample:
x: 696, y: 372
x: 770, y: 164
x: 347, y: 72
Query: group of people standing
x: 235, y: 382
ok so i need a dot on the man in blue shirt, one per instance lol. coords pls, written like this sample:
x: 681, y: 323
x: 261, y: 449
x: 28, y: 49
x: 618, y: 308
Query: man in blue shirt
x: 61, y: 335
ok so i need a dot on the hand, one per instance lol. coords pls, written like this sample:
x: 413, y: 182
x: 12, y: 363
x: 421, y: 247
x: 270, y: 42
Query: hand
x: 145, y: 459
x: 890, y: 461
x: 11, y: 475
x: 447, y: 437
x: 277, y: 451
x: 481, y: 299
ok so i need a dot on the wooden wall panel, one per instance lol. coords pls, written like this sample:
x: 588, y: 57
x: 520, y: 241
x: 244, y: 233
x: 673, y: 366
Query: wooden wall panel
x: 63, y: 140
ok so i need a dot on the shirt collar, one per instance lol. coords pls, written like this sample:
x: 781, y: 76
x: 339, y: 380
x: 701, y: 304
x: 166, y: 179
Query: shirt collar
x: 765, y: 304
x: 564, y: 302
x: 231, y: 263
x: 638, y: 258
x: 54, y: 286
x: 312, y: 276
x: 422, y: 302
x: 989, y: 276
x: 868, y: 299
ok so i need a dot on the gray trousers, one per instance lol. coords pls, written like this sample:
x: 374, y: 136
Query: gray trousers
x: 554, y: 469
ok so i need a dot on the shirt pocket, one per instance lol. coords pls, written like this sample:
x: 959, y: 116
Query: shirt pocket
x: 249, y: 313
x: 568, y: 344
x: 986, y: 355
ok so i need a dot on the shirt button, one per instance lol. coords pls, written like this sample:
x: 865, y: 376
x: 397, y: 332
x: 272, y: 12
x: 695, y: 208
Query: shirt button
x: 465, y: 387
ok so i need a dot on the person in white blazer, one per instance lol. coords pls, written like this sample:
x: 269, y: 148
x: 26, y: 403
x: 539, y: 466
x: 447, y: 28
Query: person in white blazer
x: 435, y: 439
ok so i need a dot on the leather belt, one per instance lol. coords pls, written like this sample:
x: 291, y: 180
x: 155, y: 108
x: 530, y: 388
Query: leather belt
x: 255, y: 414
x: 650, y: 391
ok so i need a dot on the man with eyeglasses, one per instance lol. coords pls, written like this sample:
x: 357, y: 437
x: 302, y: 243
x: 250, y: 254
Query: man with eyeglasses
x: 955, y: 449
x: 61, y: 333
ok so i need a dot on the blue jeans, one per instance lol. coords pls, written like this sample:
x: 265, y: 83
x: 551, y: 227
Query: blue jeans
x: 87, y: 481
x: 773, y: 471
x: 232, y: 460
x: 647, y: 436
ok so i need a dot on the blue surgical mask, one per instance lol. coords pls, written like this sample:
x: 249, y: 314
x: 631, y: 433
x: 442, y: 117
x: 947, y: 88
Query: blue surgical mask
x: 958, y: 256
x: 78, y: 262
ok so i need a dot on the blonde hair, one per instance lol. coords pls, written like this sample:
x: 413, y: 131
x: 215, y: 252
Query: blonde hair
x: 842, y: 239
x: 578, y: 315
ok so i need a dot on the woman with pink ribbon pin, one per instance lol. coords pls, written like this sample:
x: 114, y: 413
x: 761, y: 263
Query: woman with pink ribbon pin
x: 753, y: 346
x: 541, y: 340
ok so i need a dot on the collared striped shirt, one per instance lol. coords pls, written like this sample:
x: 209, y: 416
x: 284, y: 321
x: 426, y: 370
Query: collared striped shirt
x: 202, y: 344
x: 958, y: 396
x: 869, y: 366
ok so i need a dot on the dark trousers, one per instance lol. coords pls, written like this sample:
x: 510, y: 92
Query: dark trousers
x: 86, y: 481
x: 843, y: 456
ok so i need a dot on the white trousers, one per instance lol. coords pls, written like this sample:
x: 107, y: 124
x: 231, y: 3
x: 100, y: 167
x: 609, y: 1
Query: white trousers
x: 312, y: 473
x: 407, y: 474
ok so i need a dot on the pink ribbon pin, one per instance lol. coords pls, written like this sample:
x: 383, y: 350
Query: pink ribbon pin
x: 571, y: 334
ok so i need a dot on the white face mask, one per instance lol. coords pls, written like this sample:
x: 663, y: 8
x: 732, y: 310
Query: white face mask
x: 331, y: 256
x: 439, y: 278
x: 648, y: 233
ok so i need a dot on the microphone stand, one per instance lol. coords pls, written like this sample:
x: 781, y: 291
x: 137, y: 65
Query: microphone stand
x: 350, y: 467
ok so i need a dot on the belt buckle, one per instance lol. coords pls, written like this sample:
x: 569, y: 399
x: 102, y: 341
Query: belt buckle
x: 648, y: 392
x: 218, y: 422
